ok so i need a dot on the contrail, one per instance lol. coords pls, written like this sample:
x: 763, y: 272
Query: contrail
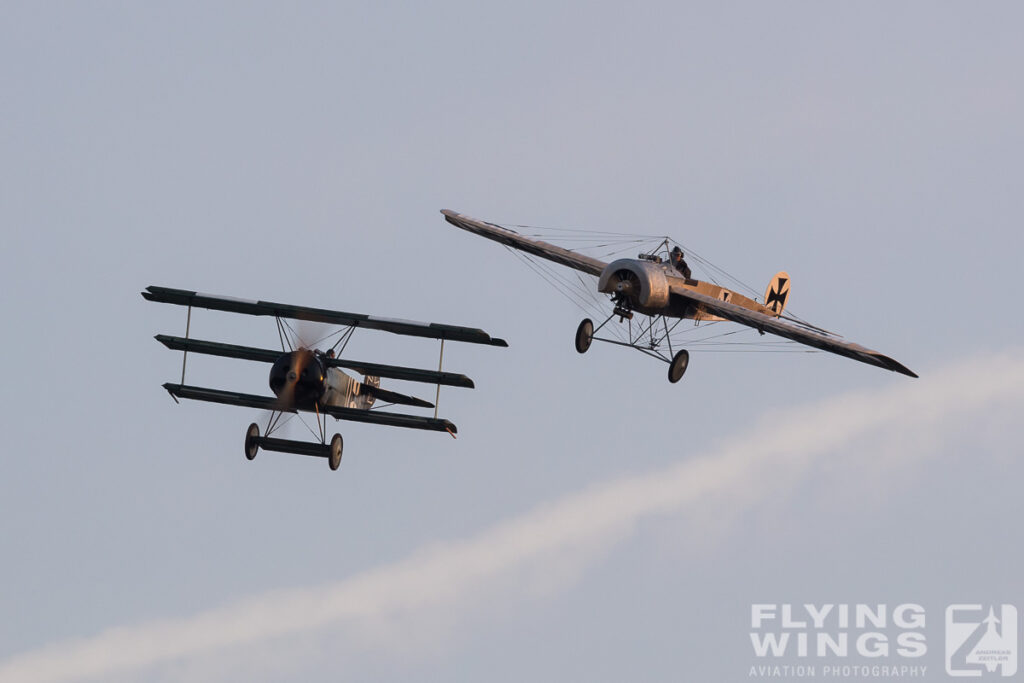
x: 736, y: 475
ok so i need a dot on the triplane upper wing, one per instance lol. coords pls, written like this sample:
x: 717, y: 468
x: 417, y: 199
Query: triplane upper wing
x: 663, y: 289
x: 184, y: 297
x: 310, y: 380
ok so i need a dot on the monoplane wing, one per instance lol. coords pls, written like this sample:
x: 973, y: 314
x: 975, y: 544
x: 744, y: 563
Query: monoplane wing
x: 233, y: 398
x: 765, y: 323
x: 184, y: 297
x: 452, y: 379
x: 513, y: 239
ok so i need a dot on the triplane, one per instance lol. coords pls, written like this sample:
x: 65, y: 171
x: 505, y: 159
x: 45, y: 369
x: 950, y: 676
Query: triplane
x: 660, y: 286
x: 311, y: 380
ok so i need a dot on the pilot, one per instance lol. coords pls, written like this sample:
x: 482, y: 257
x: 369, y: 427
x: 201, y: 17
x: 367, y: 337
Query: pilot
x: 679, y: 263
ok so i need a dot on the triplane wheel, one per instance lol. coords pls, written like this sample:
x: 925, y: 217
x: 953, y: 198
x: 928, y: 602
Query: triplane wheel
x: 584, y: 335
x: 337, y: 444
x: 251, y: 446
x: 677, y: 367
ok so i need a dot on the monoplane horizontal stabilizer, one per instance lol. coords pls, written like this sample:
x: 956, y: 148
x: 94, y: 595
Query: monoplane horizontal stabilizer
x: 234, y: 398
x: 184, y: 297
x: 452, y: 379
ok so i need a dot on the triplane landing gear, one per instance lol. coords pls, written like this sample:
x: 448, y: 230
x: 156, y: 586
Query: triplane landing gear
x: 251, y: 435
x: 334, y: 457
x: 332, y: 451
x: 646, y: 338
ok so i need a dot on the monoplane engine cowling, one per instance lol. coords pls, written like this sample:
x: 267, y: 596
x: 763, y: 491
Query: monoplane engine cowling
x: 643, y: 283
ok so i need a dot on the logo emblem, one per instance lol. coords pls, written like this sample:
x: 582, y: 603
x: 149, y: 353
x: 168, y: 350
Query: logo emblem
x: 777, y: 293
x: 981, y: 640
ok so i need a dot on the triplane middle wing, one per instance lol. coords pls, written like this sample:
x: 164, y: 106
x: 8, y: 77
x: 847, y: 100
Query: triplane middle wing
x: 311, y: 380
x: 661, y: 287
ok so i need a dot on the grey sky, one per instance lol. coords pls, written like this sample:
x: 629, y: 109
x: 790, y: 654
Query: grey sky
x: 302, y: 154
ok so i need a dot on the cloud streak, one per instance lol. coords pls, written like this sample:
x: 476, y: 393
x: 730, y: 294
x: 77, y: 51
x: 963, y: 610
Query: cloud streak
x: 739, y: 473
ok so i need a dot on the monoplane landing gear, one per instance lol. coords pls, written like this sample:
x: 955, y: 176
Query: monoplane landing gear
x: 334, y: 457
x: 677, y: 367
x: 584, y: 335
x: 251, y: 447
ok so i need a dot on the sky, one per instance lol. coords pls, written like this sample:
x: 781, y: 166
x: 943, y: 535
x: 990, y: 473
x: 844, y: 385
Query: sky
x: 591, y: 521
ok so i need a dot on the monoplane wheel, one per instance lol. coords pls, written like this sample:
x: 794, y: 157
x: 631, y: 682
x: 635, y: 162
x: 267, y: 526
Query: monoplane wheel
x: 337, y: 444
x: 584, y: 335
x: 251, y: 446
x: 677, y: 368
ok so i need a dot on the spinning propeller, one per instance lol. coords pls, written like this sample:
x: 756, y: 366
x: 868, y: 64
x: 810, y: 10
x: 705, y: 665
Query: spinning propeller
x: 297, y: 377
x: 625, y: 286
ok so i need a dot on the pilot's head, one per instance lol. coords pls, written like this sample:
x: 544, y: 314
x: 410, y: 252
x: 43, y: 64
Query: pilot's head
x: 677, y: 254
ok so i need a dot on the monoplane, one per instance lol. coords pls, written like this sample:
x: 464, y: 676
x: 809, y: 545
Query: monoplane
x: 659, y: 285
x: 312, y: 380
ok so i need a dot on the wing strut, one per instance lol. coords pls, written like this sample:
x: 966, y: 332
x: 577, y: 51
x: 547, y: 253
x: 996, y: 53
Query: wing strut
x: 437, y: 395
x: 184, y: 355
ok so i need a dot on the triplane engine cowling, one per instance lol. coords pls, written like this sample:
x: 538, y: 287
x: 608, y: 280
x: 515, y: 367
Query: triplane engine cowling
x: 642, y: 283
x: 297, y: 378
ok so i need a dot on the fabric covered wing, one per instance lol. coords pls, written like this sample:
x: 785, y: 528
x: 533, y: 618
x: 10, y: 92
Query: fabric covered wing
x: 229, y: 398
x: 765, y: 323
x: 184, y: 297
x: 513, y: 239
x: 218, y: 349
x: 234, y: 398
x: 451, y: 379
x: 392, y: 419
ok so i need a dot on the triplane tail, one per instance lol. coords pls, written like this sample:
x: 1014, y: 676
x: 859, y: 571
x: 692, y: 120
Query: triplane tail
x: 370, y: 386
x: 777, y: 294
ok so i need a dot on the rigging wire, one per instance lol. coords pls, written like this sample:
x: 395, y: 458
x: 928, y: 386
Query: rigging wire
x: 583, y: 297
x: 607, y: 244
x: 567, y: 289
x: 598, y: 303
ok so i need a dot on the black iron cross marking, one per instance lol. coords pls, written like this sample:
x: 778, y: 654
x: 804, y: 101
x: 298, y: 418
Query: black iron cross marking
x: 777, y: 296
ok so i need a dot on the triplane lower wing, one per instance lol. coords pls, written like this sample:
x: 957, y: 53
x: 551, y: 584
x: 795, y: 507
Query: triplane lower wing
x: 660, y: 286
x: 311, y: 380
